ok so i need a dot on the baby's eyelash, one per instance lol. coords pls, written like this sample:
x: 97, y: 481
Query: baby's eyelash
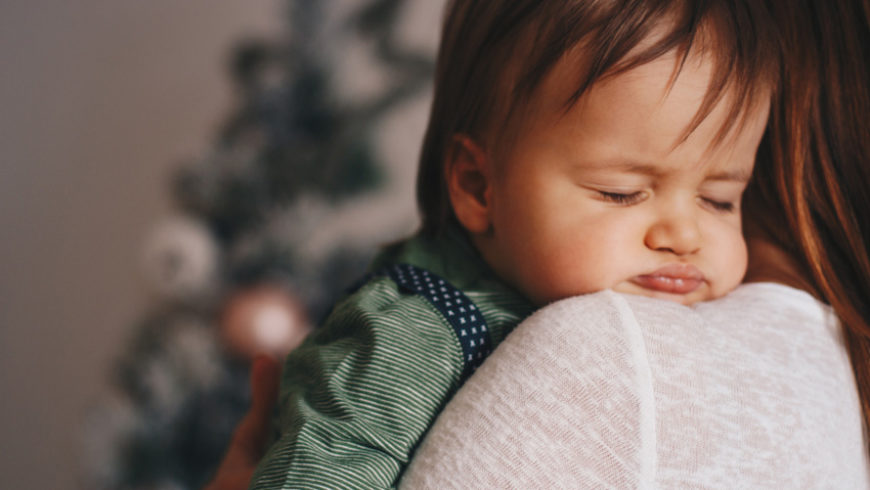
x: 619, y: 198
x: 725, y: 207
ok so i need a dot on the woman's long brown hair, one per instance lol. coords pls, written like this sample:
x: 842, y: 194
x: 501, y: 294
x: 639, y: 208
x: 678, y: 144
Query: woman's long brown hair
x: 814, y: 167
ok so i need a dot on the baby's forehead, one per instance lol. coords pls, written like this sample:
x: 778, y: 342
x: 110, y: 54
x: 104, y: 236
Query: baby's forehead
x: 634, y: 124
x: 666, y: 100
x: 737, y: 171
x: 539, y: 84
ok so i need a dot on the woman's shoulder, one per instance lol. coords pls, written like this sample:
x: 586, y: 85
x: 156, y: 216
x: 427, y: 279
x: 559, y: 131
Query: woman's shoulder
x: 775, y: 308
x: 752, y: 303
x: 757, y: 293
x: 566, y: 381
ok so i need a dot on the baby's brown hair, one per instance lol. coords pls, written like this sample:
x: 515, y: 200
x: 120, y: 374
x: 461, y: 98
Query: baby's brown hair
x: 495, y: 53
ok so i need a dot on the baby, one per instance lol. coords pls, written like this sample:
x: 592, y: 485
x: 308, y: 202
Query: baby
x: 573, y: 146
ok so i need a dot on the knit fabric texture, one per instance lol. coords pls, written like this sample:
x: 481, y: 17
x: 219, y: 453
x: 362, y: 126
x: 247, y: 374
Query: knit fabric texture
x: 754, y: 390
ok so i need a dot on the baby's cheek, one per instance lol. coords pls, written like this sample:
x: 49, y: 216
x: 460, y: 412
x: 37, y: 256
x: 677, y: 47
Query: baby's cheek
x: 732, y: 266
x: 580, y: 267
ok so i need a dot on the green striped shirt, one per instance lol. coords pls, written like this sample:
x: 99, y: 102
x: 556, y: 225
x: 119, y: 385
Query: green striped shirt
x: 358, y: 396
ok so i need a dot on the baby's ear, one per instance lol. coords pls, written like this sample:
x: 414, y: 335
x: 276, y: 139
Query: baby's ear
x: 468, y: 174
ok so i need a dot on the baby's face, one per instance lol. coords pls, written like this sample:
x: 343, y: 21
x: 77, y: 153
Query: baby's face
x: 603, y: 196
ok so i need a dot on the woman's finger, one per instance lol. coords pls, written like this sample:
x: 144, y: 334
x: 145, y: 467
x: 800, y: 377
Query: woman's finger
x: 249, y: 439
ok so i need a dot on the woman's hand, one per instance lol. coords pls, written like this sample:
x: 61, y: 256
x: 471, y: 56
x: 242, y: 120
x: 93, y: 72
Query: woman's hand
x: 249, y: 440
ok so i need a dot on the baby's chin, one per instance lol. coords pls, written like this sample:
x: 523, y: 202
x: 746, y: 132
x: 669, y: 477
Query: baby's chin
x: 705, y: 292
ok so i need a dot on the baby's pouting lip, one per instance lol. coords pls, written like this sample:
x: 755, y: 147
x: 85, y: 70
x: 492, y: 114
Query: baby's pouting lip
x: 676, y: 278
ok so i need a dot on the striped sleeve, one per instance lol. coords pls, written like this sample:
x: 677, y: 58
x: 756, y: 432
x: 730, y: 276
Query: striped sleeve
x: 359, y: 395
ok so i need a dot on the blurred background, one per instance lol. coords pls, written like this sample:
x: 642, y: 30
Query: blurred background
x: 182, y: 185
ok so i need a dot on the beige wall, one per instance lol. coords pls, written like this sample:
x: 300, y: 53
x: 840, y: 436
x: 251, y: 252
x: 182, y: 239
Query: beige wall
x: 99, y: 100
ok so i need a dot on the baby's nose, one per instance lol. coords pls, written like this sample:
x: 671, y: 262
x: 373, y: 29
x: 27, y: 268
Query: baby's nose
x: 676, y: 232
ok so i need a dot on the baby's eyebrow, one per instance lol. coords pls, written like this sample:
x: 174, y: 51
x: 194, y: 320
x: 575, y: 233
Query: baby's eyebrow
x: 738, y: 175
x: 741, y: 175
x: 626, y: 166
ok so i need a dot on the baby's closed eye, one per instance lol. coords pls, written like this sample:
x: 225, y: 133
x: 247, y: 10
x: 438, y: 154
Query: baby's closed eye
x: 622, y: 198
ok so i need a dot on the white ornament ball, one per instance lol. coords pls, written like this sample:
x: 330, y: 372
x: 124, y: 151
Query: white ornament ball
x: 181, y: 260
x: 263, y: 319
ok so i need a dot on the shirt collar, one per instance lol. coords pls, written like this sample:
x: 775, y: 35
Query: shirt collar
x: 453, y: 257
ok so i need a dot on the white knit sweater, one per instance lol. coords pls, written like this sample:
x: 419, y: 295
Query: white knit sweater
x: 754, y: 390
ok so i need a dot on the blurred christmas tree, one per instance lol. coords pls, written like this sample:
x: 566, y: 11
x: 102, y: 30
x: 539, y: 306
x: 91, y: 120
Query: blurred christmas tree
x: 235, y: 271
